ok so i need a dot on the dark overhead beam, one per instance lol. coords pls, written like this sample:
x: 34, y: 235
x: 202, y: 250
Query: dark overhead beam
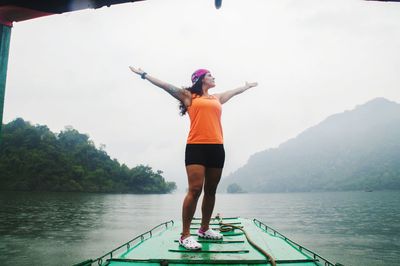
x: 19, y: 10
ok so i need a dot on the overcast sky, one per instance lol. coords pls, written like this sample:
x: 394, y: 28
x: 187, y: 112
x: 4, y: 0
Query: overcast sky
x: 311, y: 59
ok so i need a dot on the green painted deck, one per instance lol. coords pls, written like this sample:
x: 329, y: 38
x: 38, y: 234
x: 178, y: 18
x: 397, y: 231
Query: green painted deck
x: 161, y: 247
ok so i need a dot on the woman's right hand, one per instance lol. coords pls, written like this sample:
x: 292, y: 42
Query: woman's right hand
x: 180, y: 94
x: 138, y: 71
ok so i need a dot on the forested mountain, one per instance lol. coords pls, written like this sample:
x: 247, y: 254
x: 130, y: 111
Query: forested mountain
x: 354, y: 150
x: 33, y: 158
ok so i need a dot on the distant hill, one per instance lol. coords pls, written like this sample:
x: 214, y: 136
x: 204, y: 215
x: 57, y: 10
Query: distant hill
x: 354, y: 150
x: 32, y: 158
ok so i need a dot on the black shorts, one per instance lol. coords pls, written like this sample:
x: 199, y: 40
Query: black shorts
x: 209, y: 155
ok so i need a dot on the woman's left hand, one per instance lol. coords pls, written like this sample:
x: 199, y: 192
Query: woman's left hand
x: 250, y: 84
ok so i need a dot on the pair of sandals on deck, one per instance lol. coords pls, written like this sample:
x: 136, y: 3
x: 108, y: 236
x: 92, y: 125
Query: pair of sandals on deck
x: 191, y: 244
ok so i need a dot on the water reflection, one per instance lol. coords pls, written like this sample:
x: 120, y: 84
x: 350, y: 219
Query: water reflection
x: 48, y: 214
x: 65, y: 228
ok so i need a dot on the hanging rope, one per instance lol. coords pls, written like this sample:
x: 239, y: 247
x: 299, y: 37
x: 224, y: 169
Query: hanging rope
x: 224, y: 227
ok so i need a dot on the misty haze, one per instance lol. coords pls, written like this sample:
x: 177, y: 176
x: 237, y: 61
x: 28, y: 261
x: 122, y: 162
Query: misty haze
x: 93, y: 149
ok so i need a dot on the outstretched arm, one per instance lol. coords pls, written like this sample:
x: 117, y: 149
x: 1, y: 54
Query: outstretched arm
x: 180, y: 94
x: 225, y: 96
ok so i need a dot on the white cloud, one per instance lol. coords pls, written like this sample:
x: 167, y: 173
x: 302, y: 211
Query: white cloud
x: 311, y: 59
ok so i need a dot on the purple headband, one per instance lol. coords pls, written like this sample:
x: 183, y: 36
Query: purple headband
x: 197, y: 74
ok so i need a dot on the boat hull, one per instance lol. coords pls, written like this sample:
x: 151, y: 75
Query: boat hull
x: 247, y: 246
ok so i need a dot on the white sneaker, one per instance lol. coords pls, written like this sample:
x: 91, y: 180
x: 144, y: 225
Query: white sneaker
x: 190, y: 243
x: 209, y: 234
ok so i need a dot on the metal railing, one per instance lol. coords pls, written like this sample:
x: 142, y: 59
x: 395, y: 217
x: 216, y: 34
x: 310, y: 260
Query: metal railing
x: 299, y: 247
x: 128, y: 245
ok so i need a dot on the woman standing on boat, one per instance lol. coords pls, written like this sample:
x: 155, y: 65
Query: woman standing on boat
x: 204, y: 155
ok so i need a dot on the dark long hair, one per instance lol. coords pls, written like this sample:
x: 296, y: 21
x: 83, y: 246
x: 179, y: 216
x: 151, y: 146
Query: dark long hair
x: 197, y: 89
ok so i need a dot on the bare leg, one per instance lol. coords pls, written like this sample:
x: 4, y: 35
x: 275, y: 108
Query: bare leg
x: 213, y: 175
x: 196, y: 174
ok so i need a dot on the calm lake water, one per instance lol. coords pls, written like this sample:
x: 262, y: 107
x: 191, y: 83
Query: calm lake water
x: 353, y: 228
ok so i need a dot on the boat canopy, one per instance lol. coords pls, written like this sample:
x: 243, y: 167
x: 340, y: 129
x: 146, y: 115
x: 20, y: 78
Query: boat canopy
x: 20, y: 10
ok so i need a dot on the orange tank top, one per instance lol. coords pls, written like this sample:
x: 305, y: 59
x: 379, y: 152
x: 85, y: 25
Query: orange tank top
x: 205, y: 121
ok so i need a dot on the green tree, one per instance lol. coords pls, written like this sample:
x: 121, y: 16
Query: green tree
x: 34, y: 158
